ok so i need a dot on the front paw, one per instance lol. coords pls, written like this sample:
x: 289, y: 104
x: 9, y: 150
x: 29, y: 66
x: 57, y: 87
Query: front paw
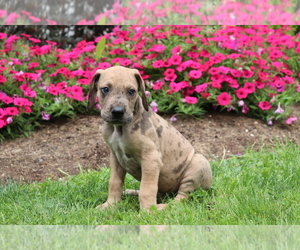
x: 161, y: 206
x: 104, y: 206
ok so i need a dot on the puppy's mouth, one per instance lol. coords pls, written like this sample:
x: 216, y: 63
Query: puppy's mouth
x: 115, y: 121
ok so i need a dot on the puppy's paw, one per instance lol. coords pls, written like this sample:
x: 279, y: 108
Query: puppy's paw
x: 161, y: 206
x: 132, y: 192
x: 104, y: 206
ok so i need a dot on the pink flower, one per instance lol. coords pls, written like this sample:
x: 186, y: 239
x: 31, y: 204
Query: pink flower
x: 275, y: 54
x: 154, y: 106
x: 45, y: 116
x: 241, y: 93
x: 3, y: 13
x: 247, y: 73
x: 173, y: 118
x: 158, y: 64
x: 12, y: 111
x: 190, y: 99
x: 214, y: 71
x: 195, y: 74
x: 3, y: 123
x: 201, y: 88
x: 22, y: 102
x: 279, y: 110
x: 290, y: 120
x: 157, y: 48
x: 2, y: 113
x: 158, y: 85
x: 250, y: 87
x: 34, y: 19
x: 64, y: 60
x: 223, y: 69
x: 224, y: 99
x: 53, y: 90
x: 216, y: 85
x: 264, y: 105
x: 235, y: 73
x: 5, y: 98
x: 175, y: 59
x: 84, y: 81
x: 176, y: 50
x: 2, y: 78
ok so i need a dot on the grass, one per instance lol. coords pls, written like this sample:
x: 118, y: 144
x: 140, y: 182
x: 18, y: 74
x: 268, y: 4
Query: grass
x: 257, y: 188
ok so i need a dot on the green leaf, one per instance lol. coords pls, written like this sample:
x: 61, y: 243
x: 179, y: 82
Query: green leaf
x: 102, y: 20
x: 100, y: 48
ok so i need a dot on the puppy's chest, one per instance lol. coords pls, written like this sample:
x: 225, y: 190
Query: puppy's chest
x: 123, y: 153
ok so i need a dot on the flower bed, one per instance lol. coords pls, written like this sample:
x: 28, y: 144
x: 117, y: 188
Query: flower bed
x: 253, y: 70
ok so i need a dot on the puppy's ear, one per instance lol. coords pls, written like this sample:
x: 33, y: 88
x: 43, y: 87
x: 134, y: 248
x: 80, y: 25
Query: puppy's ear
x: 141, y: 88
x: 93, y: 90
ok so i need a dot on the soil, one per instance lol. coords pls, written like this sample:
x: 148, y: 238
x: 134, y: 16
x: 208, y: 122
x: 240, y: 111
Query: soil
x: 66, y: 146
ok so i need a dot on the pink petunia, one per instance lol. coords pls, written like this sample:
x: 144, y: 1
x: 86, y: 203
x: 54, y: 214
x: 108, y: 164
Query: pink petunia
x: 176, y: 50
x: 53, y: 90
x: 241, y: 93
x: 190, y: 99
x: 2, y: 79
x: 195, y: 74
x: 158, y: 85
x: 158, y: 64
x: 235, y: 73
x: 213, y: 71
x: 224, y: 99
x: 264, y: 105
x: 22, y: 102
x: 290, y: 120
x: 84, y: 81
x: 12, y: 111
x: 201, y: 88
x: 157, y: 48
x: 3, y: 35
x: 64, y: 60
x: 250, y: 87
x: 175, y: 59
x: 3, y: 123
x: 2, y: 113
x: 247, y: 73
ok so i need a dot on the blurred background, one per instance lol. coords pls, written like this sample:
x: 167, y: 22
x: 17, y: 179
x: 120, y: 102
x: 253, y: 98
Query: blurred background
x: 62, y: 11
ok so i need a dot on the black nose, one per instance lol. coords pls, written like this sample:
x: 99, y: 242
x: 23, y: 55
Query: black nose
x: 117, y: 112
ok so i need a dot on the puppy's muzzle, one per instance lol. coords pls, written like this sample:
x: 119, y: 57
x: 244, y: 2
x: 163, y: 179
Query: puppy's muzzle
x: 117, y: 112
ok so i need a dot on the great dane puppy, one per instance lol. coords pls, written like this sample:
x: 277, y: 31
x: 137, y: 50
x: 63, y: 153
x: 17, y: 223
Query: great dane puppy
x: 142, y: 143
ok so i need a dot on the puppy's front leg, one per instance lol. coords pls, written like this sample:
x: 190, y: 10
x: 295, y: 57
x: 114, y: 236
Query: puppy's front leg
x: 149, y: 183
x: 116, y: 183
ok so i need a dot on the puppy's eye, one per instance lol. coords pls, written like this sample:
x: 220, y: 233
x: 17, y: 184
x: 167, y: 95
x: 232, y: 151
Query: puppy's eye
x: 104, y: 90
x: 131, y: 92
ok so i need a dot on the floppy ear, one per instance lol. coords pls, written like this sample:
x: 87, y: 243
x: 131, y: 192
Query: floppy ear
x: 93, y: 90
x: 141, y: 88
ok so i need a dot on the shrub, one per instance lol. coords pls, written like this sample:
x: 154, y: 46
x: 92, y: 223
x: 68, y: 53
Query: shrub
x: 253, y: 70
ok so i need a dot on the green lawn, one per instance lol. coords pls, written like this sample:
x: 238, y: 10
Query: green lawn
x: 257, y: 188
x: 254, y: 204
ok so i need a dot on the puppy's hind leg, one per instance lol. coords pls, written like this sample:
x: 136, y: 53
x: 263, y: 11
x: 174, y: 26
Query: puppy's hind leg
x: 198, y: 174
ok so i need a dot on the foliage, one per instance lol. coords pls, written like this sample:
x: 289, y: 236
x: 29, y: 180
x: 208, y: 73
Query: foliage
x: 253, y: 70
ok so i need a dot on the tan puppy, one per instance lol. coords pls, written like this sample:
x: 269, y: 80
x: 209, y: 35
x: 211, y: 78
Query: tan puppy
x: 142, y: 143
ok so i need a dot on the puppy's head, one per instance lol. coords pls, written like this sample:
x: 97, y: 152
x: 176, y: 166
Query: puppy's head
x: 117, y: 91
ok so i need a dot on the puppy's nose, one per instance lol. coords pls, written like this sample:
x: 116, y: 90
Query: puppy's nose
x: 117, y: 112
